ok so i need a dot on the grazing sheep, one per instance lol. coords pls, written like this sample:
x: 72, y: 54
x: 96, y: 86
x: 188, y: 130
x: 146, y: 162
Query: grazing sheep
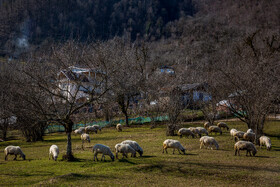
x: 13, y: 150
x: 89, y: 129
x: 244, y: 145
x: 134, y: 145
x: 207, y: 125
x: 119, y: 127
x: 185, y: 132
x: 250, y: 130
x: 195, y: 131
x: 78, y: 131
x: 208, y: 142
x: 124, y: 149
x: 232, y: 131
x: 248, y: 136
x: 222, y: 125
x: 214, y: 129
x: 202, y: 130
x: 85, y: 138
x: 97, y: 127
x: 175, y: 144
x: 105, y: 150
x: 264, y: 140
x: 238, y: 134
x: 54, y: 151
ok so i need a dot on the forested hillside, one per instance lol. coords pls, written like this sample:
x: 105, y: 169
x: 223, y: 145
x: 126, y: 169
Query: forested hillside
x: 34, y: 21
x: 31, y: 22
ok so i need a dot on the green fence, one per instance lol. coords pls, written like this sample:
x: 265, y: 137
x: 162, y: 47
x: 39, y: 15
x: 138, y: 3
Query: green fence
x: 138, y: 120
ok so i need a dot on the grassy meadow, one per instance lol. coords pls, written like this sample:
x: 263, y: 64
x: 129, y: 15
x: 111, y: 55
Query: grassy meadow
x: 199, y: 167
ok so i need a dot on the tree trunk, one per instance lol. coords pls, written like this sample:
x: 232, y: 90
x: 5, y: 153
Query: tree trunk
x: 126, y: 119
x: 4, y: 128
x: 170, y: 130
x: 68, y: 128
x: 69, y: 145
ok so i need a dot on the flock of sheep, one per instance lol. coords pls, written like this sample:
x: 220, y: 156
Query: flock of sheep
x: 129, y: 146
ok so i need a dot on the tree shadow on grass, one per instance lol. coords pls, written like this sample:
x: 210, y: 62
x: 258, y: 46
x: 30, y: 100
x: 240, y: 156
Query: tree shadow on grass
x: 191, y: 154
x: 56, y: 140
x: 264, y: 157
x: 125, y: 160
x: 275, y: 148
x: 146, y: 156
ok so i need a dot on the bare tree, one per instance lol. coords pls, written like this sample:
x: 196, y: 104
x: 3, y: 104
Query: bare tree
x: 6, y: 97
x: 250, y: 77
x: 66, y: 89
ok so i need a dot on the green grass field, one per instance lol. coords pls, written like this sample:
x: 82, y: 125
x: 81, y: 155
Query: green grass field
x: 199, y: 167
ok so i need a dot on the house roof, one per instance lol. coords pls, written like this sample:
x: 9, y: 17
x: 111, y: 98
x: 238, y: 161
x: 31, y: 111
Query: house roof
x: 194, y: 86
x: 74, y: 73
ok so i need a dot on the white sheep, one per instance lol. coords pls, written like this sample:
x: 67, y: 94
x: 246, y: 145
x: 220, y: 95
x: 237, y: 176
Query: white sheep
x: 124, y: 149
x: 264, y: 140
x: 85, y: 138
x: 119, y: 127
x: 105, y: 150
x: 250, y: 130
x: 175, y: 144
x: 89, y: 129
x: 13, y: 150
x: 248, y: 136
x: 202, y: 130
x: 223, y: 125
x: 185, y: 132
x: 208, y: 142
x: 78, y: 131
x: 214, y: 129
x: 134, y: 145
x: 195, y: 131
x: 244, y: 145
x: 232, y: 131
x: 54, y: 151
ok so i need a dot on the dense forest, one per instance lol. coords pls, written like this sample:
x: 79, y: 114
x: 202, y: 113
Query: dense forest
x: 31, y: 23
x: 35, y: 21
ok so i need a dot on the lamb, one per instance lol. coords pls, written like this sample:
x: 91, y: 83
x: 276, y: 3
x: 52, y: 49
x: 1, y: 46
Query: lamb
x: 195, y: 131
x: 232, y: 131
x: 250, y: 130
x: 175, y: 144
x: 119, y: 127
x: 248, y: 136
x: 13, y: 150
x: 105, y: 150
x: 222, y: 125
x: 202, y: 130
x: 214, y: 129
x: 244, y: 145
x: 208, y: 142
x: 186, y: 132
x: 89, y: 129
x: 54, y: 151
x: 134, y: 145
x: 124, y: 149
x: 264, y: 140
